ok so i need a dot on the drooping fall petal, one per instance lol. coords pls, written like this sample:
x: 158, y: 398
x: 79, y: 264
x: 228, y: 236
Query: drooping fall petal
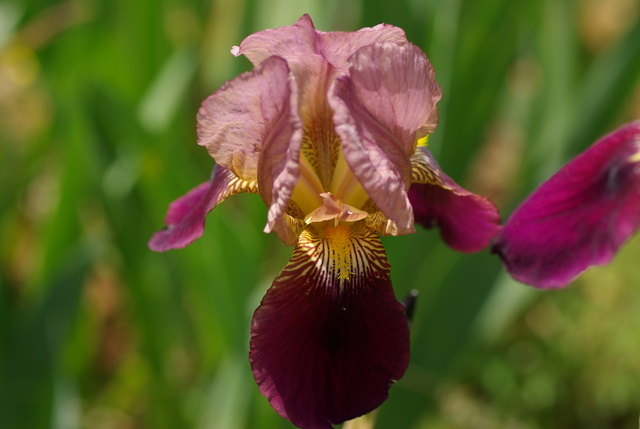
x: 329, y: 337
x: 467, y: 222
x: 378, y: 112
x: 186, y: 215
x: 579, y: 217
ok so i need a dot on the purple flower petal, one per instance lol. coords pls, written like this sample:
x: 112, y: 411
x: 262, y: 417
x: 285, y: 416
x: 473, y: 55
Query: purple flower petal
x: 185, y: 218
x: 329, y: 337
x: 467, y: 222
x: 379, y: 111
x: 579, y: 217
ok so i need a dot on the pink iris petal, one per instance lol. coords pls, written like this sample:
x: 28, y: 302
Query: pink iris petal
x: 579, y: 217
x: 186, y: 215
x: 279, y: 166
x: 240, y: 118
x: 467, y: 222
x: 304, y: 47
x: 292, y: 42
x: 378, y: 111
x: 324, y: 349
x: 396, y: 83
x: 252, y: 126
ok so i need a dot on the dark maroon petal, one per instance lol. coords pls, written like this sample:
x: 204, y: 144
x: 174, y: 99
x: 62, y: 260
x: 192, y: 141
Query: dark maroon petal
x: 185, y: 218
x: 467, y: 222
x: 579, y: 217
x: 325, y: 349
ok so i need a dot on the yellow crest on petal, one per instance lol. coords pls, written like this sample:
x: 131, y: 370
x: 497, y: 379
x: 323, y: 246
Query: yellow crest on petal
x: 422, y: 142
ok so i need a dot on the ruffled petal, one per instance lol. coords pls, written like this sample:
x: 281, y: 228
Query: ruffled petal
x: 279, y: 166
x: 295, y: 43
x: 379, y: 111
x: 579, y: 217
x: 467, y: 222
x: 329, y: 337
x: 303, y: 46
x: 186, y: 215
x: 239, y: 120
x: 396, y: 83
x: 337, y: 46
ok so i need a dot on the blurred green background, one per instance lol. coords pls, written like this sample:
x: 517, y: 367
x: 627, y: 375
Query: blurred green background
x: 97, y: 136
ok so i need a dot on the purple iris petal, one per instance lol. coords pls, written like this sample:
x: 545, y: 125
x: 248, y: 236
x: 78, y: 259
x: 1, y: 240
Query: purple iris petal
x: 326, y: 349
x: 185, y: 218
x: 579, y: 217
x: 467, y: 222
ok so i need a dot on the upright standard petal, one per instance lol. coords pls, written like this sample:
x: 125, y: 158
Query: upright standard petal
x: 397, y: 84
x: 279, y: 166
x: 295, y: 43
x: 238, y: 120
x: 579, y: 217
x: 329, y: 337
x: 185, y: 218
x: 304, y: 47
x: 467, y: 222
x: 379, y: 111
x: 252, y: 126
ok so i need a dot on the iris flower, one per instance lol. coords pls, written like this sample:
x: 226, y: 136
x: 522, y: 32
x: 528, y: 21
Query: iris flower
x: 329, y: 128
x: 579, y: 217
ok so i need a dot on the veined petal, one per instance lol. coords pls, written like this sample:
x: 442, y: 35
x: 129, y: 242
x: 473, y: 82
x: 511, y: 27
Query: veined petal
x: 329, y: 337
x: 400, y: 93
x: 303, y: 46
x: 315, y: 58
x: 279, y: 166
x: 289, y: 226
x: 236, y: 122
x: 337, y: 46
x: 295, y: 43
x: 186, y: 215
x: 379, y: 111
x: 579, y: 217
x: 467, y: 222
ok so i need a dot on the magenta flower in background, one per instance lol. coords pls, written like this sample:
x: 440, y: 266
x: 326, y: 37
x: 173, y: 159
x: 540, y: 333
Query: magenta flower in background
x: 329, y: 129
x: 579, y: 217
